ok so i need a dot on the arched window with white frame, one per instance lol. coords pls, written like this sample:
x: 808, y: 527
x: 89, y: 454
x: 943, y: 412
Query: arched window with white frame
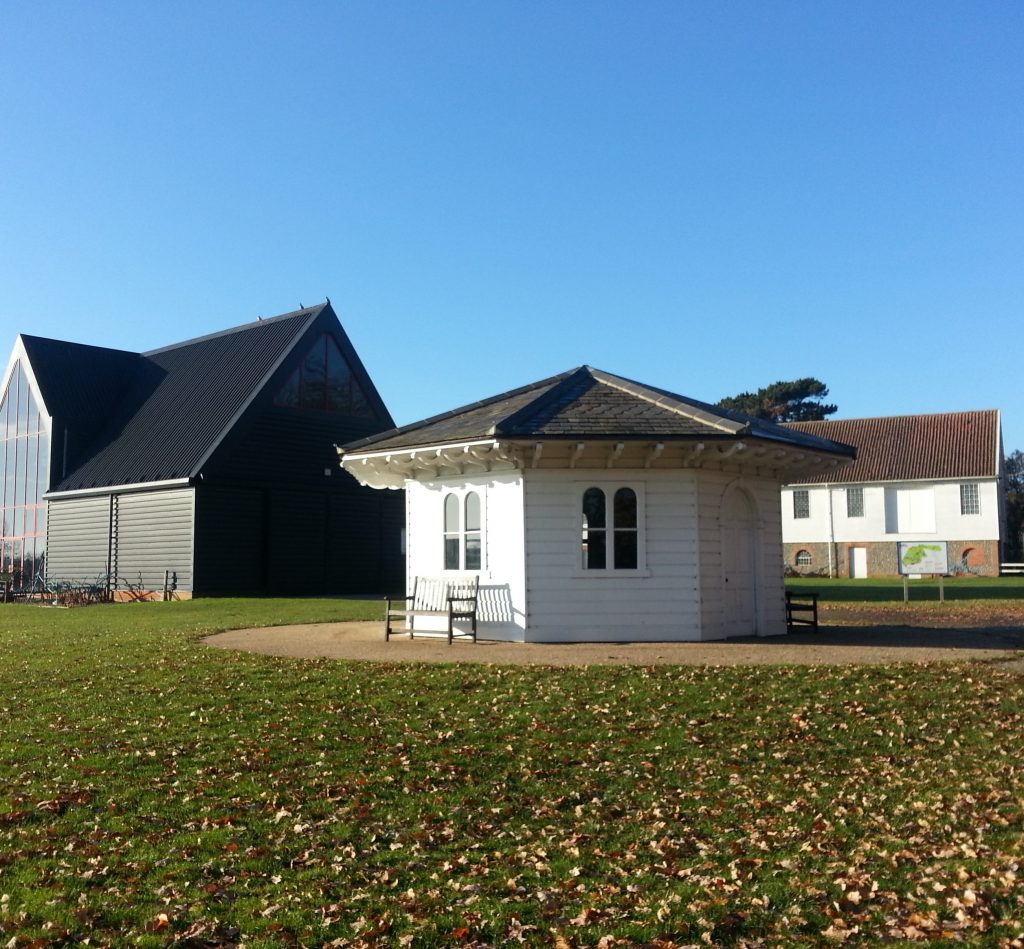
x: 610, y: 529
x: 472, y: 548
x: 463, y: 531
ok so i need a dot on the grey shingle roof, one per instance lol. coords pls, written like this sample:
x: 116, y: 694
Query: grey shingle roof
x: 913, y: 447
x: 591, y: 404
x: 180, y: 401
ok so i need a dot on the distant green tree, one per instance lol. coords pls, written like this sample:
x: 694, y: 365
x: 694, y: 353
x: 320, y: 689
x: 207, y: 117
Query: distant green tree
x: 796, y: 401
x: 1014, y: 548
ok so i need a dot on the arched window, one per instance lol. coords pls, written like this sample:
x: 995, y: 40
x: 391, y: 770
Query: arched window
x: 472, y: 532
x: 625, y: 529
x: 594, y: 532
x: 972, y: 558
x: 451, y: 532
x: 804, y: 558
x: 463, y: 531
x: 610, y: 543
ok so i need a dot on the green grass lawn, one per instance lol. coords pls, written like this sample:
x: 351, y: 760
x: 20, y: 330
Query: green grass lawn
x: 157, y: 792
x: 890, y: 589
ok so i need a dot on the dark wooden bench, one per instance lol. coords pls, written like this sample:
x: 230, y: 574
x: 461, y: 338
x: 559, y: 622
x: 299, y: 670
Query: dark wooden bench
x: 801, y: 609
x: 452, y: 598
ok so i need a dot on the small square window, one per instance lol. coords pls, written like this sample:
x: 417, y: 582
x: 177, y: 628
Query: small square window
x: 801, y: 503
x: 969, y: 503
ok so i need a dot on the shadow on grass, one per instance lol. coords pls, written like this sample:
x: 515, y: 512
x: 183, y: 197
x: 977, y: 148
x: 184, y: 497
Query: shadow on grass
x: 899, y: 637
x: 890, y: 589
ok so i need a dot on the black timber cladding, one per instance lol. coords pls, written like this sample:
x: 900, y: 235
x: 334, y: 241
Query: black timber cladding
x: 269, y: 509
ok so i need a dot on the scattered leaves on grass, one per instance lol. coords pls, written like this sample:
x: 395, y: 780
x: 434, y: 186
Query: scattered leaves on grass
x: 154, y: 792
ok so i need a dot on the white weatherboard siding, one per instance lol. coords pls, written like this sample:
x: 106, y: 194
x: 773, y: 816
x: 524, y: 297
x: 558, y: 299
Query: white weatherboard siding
x: 679, y: 592
x: 568, y: 604
x: 718, y: 612
x: 901, y: 511
x: 502, y: 603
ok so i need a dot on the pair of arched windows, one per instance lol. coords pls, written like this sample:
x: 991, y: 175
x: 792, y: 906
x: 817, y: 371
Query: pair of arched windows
x: 611, y: 529
x: 463, y: 549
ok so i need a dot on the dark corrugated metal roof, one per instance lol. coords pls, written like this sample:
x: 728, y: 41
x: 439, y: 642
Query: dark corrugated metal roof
x: 78, y: 381
x: 182, y: 399
x: 588, y: 403
x: 913, y: 447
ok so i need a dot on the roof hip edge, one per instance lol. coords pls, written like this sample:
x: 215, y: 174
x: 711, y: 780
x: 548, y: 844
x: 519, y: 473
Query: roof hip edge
x: 310, y: 312
x: 673, y: 403
x: 452, y: 413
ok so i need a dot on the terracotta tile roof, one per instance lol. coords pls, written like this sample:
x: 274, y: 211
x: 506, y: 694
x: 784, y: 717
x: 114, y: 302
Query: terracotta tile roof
x: 912, y: 447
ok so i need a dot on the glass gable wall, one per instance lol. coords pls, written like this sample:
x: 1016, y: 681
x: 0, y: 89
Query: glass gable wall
x: 24, y: 469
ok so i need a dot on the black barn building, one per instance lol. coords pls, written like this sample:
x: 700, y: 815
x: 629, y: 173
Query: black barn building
x: 210, y: 462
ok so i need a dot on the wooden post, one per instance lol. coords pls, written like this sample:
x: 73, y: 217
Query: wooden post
x: 906, y: 589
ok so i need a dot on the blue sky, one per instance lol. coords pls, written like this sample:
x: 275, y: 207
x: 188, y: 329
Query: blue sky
x: 703, y: 196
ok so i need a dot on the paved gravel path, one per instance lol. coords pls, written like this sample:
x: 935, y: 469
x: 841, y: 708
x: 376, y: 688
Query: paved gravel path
x: 830, y: 645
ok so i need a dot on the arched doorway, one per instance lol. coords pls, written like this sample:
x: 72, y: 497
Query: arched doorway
x: 739, y: 564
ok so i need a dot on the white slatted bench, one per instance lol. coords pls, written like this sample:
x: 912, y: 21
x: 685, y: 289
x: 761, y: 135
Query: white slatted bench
x: 453, y: 598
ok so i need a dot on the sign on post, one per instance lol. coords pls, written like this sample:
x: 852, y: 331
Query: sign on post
x: 922, y: 556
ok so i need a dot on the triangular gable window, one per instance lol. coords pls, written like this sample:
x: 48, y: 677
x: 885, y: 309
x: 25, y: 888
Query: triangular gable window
x: 24, y: 471
x: 325, y: 382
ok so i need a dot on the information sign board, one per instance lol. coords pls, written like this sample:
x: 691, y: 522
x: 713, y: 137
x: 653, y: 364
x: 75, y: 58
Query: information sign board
x: 923, y: 556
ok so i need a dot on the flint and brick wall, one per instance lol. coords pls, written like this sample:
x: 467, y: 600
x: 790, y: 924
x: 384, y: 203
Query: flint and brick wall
x: 982, y: 558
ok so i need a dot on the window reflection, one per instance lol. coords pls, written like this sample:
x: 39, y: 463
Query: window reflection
x: 594, y: 541
x: 324, y: 382
x: 463, y: 522
x: 623, y: 530
x: 24, y: 466
x: 472, y: 537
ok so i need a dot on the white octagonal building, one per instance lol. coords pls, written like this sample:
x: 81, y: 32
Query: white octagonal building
x: 593, y: 508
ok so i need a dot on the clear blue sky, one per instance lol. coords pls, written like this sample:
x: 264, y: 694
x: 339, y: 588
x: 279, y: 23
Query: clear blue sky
x: 703, y: 196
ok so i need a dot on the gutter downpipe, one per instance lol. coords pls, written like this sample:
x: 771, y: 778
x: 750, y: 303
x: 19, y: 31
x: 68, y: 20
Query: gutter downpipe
x: 831, y: 532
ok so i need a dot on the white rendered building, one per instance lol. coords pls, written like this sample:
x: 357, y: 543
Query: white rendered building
x: 924, y: 496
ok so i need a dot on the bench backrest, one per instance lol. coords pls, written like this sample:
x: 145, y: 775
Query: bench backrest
x: 432, y: 593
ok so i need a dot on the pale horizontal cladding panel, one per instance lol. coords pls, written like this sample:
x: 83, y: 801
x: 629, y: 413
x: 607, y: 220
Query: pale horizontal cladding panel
x: 77, y: 532
x: 154, y: 536
x: 680, y: 629
x: 566, y: 603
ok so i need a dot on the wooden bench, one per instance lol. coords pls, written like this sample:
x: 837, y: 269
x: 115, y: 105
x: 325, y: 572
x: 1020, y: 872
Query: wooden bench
x: 453, y: 598
x: 802, y: 609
